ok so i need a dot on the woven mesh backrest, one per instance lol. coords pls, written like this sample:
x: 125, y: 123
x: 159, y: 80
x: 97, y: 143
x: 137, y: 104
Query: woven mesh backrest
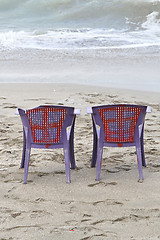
x: 46, y: 124
x: 119, y: 122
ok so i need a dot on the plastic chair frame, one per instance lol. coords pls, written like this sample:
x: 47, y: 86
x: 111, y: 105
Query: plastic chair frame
x: 66, y: 139
x: 99, y: 137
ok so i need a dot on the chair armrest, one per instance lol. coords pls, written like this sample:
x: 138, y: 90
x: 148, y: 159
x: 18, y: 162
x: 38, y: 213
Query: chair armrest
x: 148, y: 109
x: 68, y: 132
x: 89, y: 110
x: 16, y: 112
x: 140, y: 127
x: 98, y: 128
x: 20, y: 111
x: 77, y: 111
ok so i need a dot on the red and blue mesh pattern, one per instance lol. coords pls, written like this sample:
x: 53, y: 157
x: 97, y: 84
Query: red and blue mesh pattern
x: 119, y: 123
x: 46, y: 124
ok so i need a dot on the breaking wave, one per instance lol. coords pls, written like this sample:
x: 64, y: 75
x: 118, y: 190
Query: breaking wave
x: 79, y: 23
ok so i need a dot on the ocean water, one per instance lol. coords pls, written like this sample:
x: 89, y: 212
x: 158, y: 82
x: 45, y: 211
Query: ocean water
x: 80, y: 24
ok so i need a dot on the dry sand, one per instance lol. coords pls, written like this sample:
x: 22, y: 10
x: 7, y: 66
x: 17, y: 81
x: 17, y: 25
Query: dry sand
x: 118, y: 207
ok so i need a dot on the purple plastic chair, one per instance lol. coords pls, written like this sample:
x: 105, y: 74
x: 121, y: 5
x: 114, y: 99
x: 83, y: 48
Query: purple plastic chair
x: 48, y: 127
x: 118, y: 126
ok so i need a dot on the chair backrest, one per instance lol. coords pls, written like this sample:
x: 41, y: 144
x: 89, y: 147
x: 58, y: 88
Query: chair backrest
x: 46, y: 123
x: 119, y: 121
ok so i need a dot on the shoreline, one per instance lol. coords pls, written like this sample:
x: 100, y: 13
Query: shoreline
x: 124, y: 69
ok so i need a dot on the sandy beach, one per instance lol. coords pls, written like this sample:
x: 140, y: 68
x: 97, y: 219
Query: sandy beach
x: 117, y: 207
x: 81, y: 54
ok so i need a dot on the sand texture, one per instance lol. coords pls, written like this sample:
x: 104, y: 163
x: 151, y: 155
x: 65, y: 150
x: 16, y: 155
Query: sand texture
x: 117, y: 207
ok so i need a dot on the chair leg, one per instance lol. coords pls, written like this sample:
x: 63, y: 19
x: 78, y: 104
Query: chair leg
x: 71, y: 148
x: 67, y: 163
x: 99, y: 162
x: 72, y: 158
x: 142, y: 149
x: 24, y: 150
x: 71, y: 154
x: 26, y: 164
x: 139, y: 160
x: 94, y: 152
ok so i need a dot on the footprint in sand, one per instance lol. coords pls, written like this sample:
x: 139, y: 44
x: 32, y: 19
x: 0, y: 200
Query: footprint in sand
x: 102, y: 183
x: 108, y: 202
x: 35, y: 99
x: 3, y: 98
x: 9, y: 105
